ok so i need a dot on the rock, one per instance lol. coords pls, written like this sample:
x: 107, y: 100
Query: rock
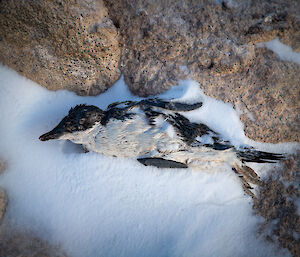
x: 16, y: 243
x: 266, y: 93
x: 275, y: 20
x: 69, y: 45
x: 84, y: 46
x: 277, y: 204
x: 2, y: 166
x: 3, y: 198
x: 3, y: 203
x: 20, y: 243
x: 165, y: 41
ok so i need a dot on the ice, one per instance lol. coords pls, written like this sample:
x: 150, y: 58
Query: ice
x: 93, y: 205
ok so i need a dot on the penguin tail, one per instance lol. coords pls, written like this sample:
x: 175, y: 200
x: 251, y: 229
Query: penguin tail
x: 252, y: 155
x: 248, y: 175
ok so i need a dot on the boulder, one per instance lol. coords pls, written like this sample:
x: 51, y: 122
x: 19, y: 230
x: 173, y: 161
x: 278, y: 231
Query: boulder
x: 214, y: 42
x: 3, y: 203
x: 20, y: 243
x: 266, y: 95
x: 277, y: 204
x: 3, y: 197
x: 84, y: 46
x: 59, y: 44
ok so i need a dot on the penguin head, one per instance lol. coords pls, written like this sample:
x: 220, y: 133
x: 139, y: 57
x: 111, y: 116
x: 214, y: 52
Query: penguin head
x: 79, y: 119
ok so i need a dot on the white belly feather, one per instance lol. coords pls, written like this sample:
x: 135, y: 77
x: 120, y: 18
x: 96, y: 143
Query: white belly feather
x: 135, y: 138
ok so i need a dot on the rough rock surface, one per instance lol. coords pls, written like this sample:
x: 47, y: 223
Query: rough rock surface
x: 3, y: 203
x: 3, y: 198
x: 84, y: 46
x: 60, y: 44
x: 14, y: 243
x: 277, y: 203
x: 2, y: 166
x: 213, y: 43
x: 266, y: 93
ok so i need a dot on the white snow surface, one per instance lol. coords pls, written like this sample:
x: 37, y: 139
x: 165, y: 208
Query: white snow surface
x: 93, y: 205
x: 283, y: 51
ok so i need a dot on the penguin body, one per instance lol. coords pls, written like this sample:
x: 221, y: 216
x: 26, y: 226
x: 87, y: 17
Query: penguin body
x: 156, y: 133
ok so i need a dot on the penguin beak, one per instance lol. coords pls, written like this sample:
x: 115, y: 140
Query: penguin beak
x: 56, y: 133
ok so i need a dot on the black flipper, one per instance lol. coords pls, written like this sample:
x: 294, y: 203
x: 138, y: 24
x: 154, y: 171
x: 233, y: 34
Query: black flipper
x: 219, y: 146
x: 170, y: 105
x: 126, y: 105
x: 162, y: 163
x: 156, y: 102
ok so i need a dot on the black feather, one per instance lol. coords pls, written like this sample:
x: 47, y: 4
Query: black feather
x: 186, y: 129
x: 252, y: 155
x: 156, y: 102
x: 162, y: 163
x: 116, y: 113
x: 81, y: 117
x: 170, y: 105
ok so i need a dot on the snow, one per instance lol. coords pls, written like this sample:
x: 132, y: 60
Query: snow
x: 283, y: 51
x: 230, y: 3
x: 94, y: 205
x: 218, y: 115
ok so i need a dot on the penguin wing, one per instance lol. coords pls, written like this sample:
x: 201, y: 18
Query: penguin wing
x: 162, y: 163
x: 156, y: 102
x: 170, y: 105
x: 197, y: 134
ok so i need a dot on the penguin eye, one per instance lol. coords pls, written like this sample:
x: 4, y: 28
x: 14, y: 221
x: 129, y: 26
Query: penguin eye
x: 81, y: 121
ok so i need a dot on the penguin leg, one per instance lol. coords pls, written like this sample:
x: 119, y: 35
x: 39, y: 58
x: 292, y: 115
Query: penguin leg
x: 162, y: 163
x: 248, y: 173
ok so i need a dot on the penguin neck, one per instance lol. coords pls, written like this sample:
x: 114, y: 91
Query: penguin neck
x: 84, y: 137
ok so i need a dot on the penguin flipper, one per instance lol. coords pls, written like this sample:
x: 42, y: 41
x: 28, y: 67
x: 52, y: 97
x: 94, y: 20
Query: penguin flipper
x: 170, y: 105
x: 162, y: 163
